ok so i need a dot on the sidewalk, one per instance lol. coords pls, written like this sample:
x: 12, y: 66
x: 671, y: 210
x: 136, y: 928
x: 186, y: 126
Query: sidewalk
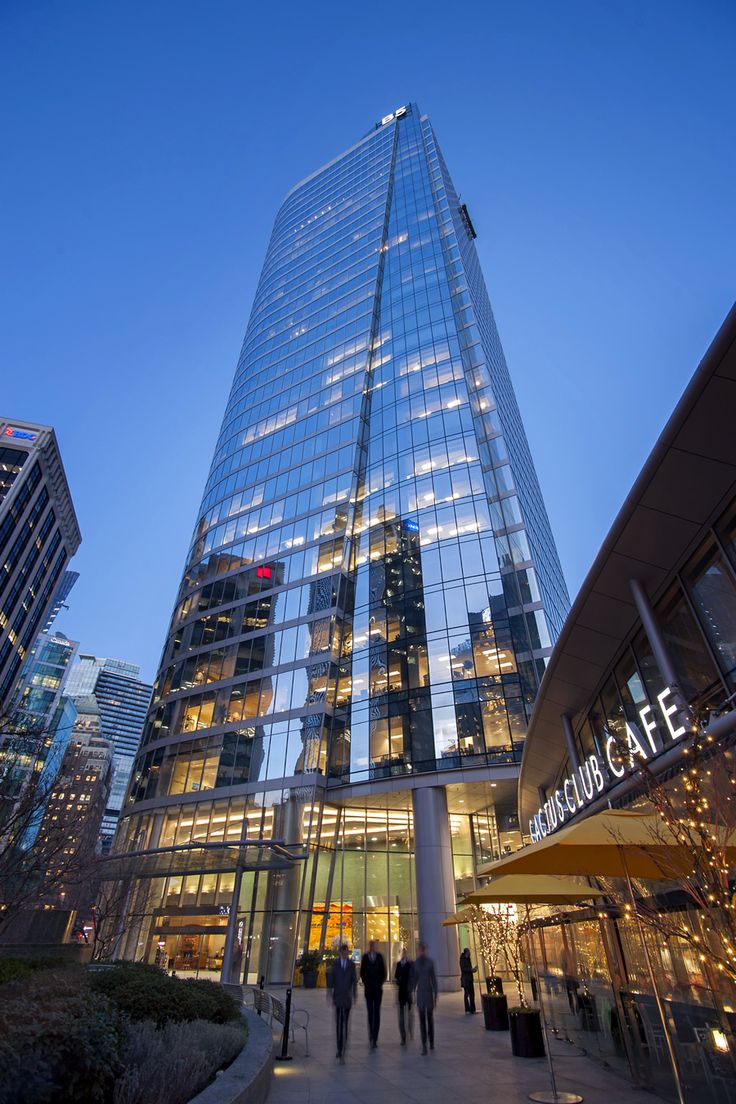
x: 469, y: 1065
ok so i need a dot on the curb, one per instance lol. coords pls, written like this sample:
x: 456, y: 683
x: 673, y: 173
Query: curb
x: 247, y: 1080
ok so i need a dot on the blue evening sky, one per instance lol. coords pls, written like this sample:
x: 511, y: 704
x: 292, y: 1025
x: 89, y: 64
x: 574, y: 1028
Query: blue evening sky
x: 146, y: 146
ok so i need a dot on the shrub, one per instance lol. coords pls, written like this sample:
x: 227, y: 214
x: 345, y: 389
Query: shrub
x: 146, y: 993
x: 59, y: 1042
x: 11, y: 968
x: 170, y: 1065
x: 309, y: 960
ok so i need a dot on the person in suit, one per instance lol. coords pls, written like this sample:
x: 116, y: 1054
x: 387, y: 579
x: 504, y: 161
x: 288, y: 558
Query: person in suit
x: 404, y: 978
x: 342, y: 983
x: 425, y: 987
x: 373, y: 975
x: 467, y: 969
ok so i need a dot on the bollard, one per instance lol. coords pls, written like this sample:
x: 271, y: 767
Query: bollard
x: 284, y: 1056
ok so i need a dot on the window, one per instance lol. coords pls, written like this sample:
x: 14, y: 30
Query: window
x: 710, y: 583
x: 682, y: 636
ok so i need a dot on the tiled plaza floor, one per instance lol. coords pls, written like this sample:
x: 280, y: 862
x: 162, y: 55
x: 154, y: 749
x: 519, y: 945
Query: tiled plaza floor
x: 468, y: 1066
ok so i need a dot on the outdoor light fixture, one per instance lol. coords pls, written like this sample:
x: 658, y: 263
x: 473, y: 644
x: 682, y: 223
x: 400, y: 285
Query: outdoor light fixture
x: 720, y: 1042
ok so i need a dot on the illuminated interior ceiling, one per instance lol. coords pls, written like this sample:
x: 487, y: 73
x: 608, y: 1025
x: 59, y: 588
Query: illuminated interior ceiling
x: 462, y: 797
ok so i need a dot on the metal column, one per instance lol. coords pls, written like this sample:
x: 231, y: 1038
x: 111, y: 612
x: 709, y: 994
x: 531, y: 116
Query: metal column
x: 232, y: 928
x: 572, y: 750
x: 435, y: 882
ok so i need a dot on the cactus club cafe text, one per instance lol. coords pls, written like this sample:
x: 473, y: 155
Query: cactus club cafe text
x: 597, y: 773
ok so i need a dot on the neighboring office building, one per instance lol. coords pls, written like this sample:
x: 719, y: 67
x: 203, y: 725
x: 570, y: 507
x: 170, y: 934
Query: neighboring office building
x: 71, y: 824
x: 43, y: 678
x: 123, y: 702
x: 38, y: 536
x: 648, y: 649
x: 370, y: 596
x: 43, y: 715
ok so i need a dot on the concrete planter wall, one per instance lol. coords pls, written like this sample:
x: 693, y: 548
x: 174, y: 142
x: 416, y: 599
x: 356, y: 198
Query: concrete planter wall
x: 248, y: 1079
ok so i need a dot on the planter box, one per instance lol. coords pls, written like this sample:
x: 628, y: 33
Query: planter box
x: 309, y: 979
x: 495, y: 1012
x: 526, y: 1034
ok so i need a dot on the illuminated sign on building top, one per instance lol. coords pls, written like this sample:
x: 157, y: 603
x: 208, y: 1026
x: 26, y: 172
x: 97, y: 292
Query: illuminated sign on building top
x: 394, y: 115
x: 20, y: 434
x: 597, y: 772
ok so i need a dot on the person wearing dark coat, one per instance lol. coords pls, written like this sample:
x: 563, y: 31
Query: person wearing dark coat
x: 425, y: 987
x: 467, y: 969
x: 373, y: 975
x: 404, y: 978
x: 342, y: 981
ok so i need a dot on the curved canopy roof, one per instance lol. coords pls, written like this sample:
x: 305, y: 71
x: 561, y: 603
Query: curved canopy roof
x: 687, y: 479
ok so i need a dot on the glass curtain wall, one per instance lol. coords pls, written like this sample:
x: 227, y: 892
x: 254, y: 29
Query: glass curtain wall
x: 363, y: 596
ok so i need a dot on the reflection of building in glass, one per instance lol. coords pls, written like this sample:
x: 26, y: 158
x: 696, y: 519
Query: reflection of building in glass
x: 370, y: 594
x: 122, y: 701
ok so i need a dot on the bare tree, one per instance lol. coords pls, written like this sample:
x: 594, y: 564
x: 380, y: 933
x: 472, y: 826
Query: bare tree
x: 514, y: 932
x: 698, y: 807
x: 121, y: 904
x: 489, y: 927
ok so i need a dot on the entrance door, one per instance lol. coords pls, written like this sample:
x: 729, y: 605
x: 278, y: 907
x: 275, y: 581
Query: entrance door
x: 191, y: 954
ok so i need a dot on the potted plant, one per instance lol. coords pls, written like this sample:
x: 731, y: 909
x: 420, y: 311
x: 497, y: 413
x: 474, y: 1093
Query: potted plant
x: 488, y: 925
x: 525, y: 1022
x: 309, y: 964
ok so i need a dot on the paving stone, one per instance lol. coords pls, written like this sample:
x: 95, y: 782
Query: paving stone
x: 469, y: 1064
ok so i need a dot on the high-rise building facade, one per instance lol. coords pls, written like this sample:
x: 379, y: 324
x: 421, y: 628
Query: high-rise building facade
x: 122, y: 701
x: 70, y: 827
x: 38, y: 536
x: 369, y: 598
x: 42, y: 719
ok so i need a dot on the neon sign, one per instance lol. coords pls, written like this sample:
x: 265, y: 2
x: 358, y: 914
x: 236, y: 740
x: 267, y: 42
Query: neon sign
x: 21, y: 434
x: 597, y: 773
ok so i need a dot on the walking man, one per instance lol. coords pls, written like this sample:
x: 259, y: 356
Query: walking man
x: 404, y: 978
x: 342, y: 982
x: 425, y: 986
x: 373, y: 975
x: 467, y: 969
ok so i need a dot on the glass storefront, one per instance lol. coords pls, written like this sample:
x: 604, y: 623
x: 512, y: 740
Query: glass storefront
x: 357, y: 884
x: 598, y: 994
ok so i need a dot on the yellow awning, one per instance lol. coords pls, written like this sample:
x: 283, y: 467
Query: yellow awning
x: 610, y: 844
x: 541, y: 889
x: 455, y: 918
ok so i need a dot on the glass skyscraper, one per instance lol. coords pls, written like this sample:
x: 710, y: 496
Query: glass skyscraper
x: 122, y: 703
x: 368, y: 601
